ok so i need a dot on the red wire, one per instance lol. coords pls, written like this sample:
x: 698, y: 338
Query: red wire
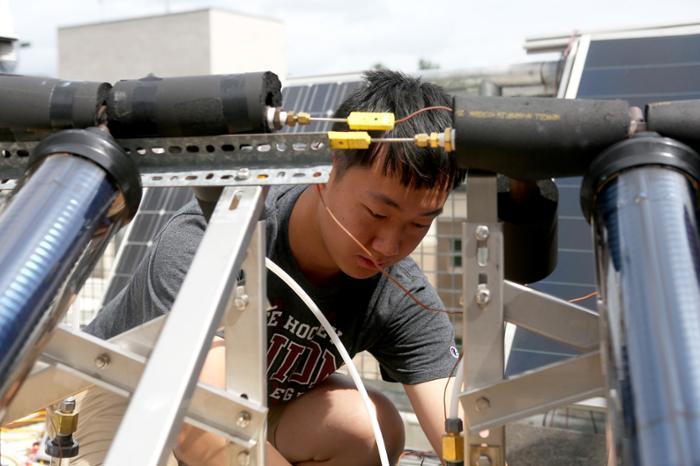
x: 371, y: 257
x: 589, y: 295
x: 434, y: 107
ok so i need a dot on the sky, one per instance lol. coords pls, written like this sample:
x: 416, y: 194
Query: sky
x: 330, y: 36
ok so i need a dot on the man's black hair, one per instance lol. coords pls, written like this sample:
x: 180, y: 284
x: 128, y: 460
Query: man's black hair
x: 390, y: 91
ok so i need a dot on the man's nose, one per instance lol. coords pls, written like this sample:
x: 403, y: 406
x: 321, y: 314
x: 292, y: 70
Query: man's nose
x: 387, y: 243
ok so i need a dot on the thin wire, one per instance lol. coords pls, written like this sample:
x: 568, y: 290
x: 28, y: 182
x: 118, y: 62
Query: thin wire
x: 313, y: 307
x: 371, y: 257
x: 434, y: 107
x: 444, y: 392
x: 581, y: 298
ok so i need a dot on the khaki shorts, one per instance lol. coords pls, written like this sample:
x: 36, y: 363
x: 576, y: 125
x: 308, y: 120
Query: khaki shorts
x: 101, y: 411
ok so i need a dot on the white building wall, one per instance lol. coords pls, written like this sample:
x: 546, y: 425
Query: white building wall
x: 244, y: 43
x: 179, y: 44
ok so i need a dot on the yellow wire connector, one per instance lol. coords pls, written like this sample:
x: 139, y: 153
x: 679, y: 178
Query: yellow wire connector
x: 453, y: 447
x: 370, y: 121
x: 349, y: 140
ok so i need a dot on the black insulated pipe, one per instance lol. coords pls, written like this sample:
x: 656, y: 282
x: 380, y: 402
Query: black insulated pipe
x: 193, y: 105
x: 641, y: 196
x: 679, y: 120
x: 532, y: 138
x: 528, y: 211
x: 31, y: 107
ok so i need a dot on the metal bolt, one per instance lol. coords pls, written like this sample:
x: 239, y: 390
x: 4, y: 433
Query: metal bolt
x: 102, y: 361
x: 482, y: 233
x: 244, y: 458
x: 482, y: 404
x: 483, y: 295
x: 68, y: 405
x: 243, y: 419
x: 241, y: 302
x: 242, y: 174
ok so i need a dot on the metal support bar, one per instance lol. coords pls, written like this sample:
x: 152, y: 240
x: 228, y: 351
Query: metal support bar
x: 156, y: 410
x: 483, y: 334
x: 551, y: 317
x: 73, y: 361
x: 533, y: 392
x: 245, y: 327
x: 226, y: 160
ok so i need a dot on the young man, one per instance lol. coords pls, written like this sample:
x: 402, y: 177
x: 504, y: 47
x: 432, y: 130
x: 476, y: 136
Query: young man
x: 386, y: 197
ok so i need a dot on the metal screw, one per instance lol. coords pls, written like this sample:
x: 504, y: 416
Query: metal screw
x: 243, y: 419
x: 242, y: 174
x: 244, y: 458
x: 483, y: 295
x: 482, y: 233
x: 102, y: 361
x: 483, y: 404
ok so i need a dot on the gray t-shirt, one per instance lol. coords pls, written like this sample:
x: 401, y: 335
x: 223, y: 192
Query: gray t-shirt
x: 412, y: 344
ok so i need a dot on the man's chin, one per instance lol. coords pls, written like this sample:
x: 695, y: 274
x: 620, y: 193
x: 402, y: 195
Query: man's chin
x: 360, y: 273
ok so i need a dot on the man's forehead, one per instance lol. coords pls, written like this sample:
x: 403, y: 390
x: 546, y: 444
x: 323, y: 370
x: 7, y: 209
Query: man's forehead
x: 424, y: 201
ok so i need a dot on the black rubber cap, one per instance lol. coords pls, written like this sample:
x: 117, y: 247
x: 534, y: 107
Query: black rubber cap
x: 640, y: 150
x: 62, y: 447
x: 454, y: 425
x: 99, y: 147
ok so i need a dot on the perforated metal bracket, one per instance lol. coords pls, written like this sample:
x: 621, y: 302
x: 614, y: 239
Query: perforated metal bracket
x: 226, y: 160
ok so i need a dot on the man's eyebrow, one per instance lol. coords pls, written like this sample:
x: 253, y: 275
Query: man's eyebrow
x: 392, y: 203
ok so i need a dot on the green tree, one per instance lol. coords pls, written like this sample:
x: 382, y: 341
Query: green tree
x: 424, y: 64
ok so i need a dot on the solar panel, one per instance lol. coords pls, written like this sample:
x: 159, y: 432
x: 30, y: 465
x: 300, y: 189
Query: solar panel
x: 159, y: 204
x: 639, y: 70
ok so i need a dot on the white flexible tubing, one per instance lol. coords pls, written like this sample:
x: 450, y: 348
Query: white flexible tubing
x: 456, y: 388
x: 274, y: 268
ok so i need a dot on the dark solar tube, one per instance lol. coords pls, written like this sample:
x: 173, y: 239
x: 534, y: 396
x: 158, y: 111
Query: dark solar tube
x: 30, y: 106
x: 531, y: 138
x: 649, y: 260
x: 192, y: 105
x: 43, y: 233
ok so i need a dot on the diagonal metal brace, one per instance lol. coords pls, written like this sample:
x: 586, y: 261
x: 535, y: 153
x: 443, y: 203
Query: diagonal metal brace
x: 73, y: 361
x: 533, y: 392
x: 551, y: 317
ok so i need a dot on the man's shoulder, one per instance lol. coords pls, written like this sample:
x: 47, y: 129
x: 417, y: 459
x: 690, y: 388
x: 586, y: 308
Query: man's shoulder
x: 411, y: 277
x: 282, y: 198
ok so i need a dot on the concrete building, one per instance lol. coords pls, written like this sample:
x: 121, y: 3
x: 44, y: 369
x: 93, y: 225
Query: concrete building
x: 8, y: 39
x: 208, y: 41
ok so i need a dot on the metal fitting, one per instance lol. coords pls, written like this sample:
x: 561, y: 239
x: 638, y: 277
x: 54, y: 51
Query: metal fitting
x: 483, y: 295
x: 64, y: 420
x: 102, y: 361
x: 242, y: 174
x: 482, y: 233
x: 243, y: 419
x: 244, y: 458
x: 482, y: 404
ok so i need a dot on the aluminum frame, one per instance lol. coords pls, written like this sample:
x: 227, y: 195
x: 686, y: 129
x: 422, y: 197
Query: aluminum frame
x: 489, y: 400
x: 483, y: 332
x: 157, y: 407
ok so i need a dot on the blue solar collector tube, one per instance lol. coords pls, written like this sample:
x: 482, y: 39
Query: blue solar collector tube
x: 648, y: 252
x: 60, y: 215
